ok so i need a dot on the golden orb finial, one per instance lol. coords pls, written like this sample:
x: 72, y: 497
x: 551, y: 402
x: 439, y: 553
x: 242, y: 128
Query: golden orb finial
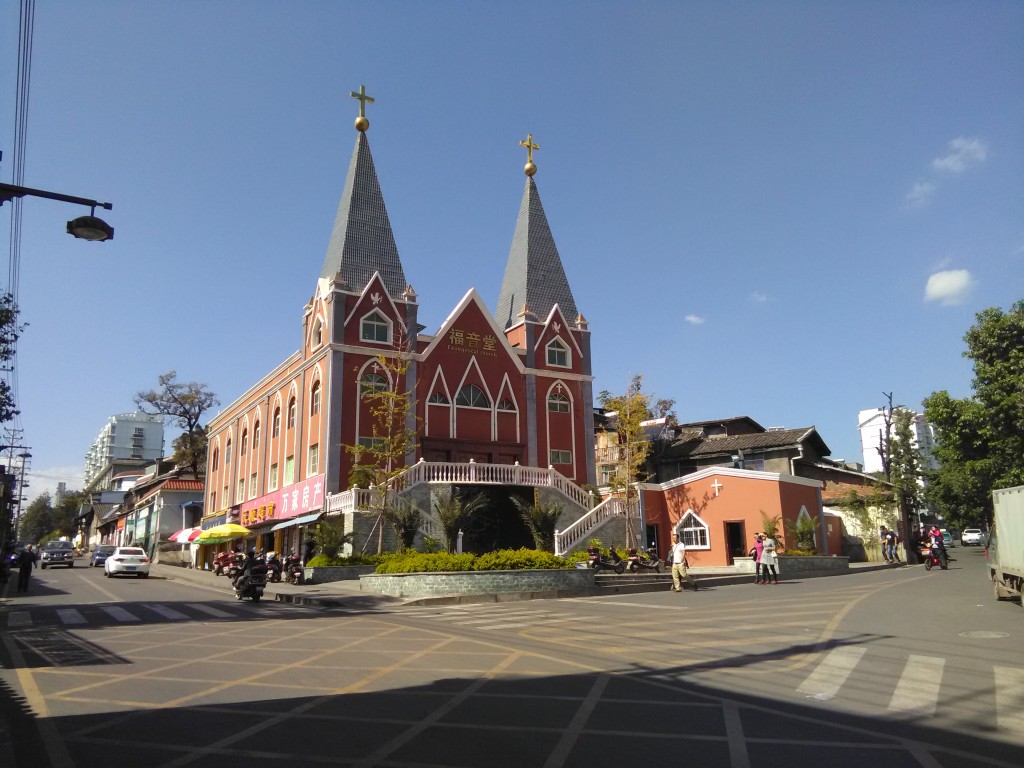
x: 529, y: 169
x: 361, y: 122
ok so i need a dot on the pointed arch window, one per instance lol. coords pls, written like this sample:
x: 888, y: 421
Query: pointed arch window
x: 291, y: 413
x: 558, y: 403
x: 439, y: 398
x: 276, y: 429
x: 472, y: 396
x: 558, y: 354
x: 506, y: 405
x: 372, y: 382
x: 314, y: 399
x: 693, y: 531
x: 317, y: 338
x: 227, y: 453
x: 256, y: 436
x: 245, y: 443
x: 375, y: 327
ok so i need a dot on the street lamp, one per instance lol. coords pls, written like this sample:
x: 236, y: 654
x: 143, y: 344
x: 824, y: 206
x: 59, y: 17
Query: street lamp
x: 84, y: 227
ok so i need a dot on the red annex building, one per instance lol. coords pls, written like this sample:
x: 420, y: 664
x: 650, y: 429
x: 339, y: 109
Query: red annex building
x: 503, y: 388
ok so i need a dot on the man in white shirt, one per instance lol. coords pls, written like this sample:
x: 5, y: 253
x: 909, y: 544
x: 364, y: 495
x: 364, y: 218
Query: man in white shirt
x: 679, y: 574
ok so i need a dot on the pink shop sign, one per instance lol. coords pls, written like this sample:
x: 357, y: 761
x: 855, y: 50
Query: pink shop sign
x: 300, y: 498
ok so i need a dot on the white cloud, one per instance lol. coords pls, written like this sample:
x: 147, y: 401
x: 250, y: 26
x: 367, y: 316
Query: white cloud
x: 920, y: 194
x: 758, y: 297
x: 950, y: 287
x: 694, y: 319
x: 963, y: 153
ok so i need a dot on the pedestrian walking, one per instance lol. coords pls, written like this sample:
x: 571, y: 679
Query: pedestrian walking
x: 26, y: 562
x: 889, y: 542
x: 680, y: 575
x: 769, y: 560
x: 882, y: 534
x: 755, y: 552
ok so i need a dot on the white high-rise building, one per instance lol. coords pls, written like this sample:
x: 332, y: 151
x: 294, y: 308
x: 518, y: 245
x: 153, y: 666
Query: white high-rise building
x: 125, y: 436
x: 871, y: 425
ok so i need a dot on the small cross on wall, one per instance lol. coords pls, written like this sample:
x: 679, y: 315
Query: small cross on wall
x: 717, y: 486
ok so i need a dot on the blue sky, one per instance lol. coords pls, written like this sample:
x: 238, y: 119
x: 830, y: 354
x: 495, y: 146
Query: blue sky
x: 772, y: 209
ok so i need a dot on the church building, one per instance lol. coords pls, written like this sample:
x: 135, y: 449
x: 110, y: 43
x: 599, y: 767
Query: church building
x: 509, y: 388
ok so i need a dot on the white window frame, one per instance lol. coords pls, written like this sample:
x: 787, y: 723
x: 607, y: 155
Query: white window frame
x: 272, y: 485
x: 474, y: 393
x: 560, y: 403
x: 313, y: 460
x: 557, y: 346
x: 555, y: 456
x: 381, y: 320
x: 693, y: 531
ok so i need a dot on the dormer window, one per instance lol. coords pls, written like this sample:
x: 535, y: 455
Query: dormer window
x: 375, y: 327
x: 558, y: 354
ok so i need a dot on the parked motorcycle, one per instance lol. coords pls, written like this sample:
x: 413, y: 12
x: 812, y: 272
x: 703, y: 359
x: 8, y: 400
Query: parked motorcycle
x: 250, y: 583
x: 638, y: 560
x: 273, y: 567
x: 228, y: 564
x: 933, y: 556
x: 599, y: 562
x: 292, y: 569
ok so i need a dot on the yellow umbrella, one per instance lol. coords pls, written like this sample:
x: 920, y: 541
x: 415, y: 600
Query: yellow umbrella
x: 221, y: 533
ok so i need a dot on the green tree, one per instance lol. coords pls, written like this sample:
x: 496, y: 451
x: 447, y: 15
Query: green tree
x: 981, y: 437
x: 404, y: 517
x: 37, y: 520
x: 455, y: 514
x: 184, y: 405
x: 626, y: 416
x: 10, y: 331
x: 390, y: 436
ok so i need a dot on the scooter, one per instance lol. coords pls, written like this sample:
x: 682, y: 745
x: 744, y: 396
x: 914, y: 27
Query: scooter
x: 639, y: 560
x: 250, y: 584
x: 599, y: 562
x: 933, y: 556
x: 273, y: 567
x: 223, y: 561
x: 293, y: 569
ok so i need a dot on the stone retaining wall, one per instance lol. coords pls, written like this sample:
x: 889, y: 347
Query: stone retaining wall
x: 410, y: 585
x: 328, y: 573
x: 793, y: 564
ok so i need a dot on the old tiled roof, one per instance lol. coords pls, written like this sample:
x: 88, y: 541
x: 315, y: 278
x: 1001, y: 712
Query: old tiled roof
x: 534, y: 275
x: 688, y: 444
x: 362, y: 241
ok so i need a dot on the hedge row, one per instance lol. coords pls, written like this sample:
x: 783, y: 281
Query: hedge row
x: 501, y: 560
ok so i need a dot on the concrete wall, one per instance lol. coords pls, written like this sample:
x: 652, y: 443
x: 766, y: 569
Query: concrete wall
x: 408, y: 585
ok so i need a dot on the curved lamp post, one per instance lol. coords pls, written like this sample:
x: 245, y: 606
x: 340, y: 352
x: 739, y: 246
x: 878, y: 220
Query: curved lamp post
x: 84, y: 227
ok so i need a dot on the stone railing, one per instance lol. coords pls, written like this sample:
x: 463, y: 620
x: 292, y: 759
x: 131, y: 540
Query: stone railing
x: 457, y: 473
x: 595, y: 518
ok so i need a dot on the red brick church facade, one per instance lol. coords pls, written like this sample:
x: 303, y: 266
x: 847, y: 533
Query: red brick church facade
x: 513, y: 385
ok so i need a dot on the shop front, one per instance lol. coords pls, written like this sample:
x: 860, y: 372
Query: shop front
x: 280, y: 520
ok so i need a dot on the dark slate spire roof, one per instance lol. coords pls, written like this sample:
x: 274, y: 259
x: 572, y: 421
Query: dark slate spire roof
x: 362, y: 241
x: 534, y: 275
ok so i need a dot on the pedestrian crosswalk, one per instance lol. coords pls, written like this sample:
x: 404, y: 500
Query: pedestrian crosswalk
x: 133, y: 613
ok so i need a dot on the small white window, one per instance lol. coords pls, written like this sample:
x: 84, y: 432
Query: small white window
x: 318, y: 333
x: 560, y: 457
x: 558, y: 354
x: 375, y: 327
x: 558, y: 403
x: 314, y: 460
x: 372, y: 382
x: 272, y: 482
x: 694, y: 531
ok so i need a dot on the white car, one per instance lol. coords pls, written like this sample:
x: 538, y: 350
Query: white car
x: 130, y: 560
x: 970, y: 536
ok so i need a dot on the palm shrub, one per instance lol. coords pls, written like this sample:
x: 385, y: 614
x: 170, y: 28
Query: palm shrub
x: 329, y: 536
x: 455, y: 513
x: 404, y: 517
x: 541, y: 517
x: 803, y: 530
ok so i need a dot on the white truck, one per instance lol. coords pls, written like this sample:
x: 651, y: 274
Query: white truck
x: 1006, y: 543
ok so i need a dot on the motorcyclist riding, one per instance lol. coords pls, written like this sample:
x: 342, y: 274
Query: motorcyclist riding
x: 939, y: 545
x: 250, y: 561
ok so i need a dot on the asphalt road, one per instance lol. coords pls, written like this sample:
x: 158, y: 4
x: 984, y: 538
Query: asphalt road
x: 898, y: 667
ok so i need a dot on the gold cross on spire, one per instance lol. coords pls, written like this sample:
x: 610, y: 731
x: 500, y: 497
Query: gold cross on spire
x: 361, y: 122
x: 530, y: 168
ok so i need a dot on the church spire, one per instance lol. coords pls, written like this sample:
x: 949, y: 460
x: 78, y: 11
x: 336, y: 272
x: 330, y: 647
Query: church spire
x: 534, y: 275
x: 362, y: 241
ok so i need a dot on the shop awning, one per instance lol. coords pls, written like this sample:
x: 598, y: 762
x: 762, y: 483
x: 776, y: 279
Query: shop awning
x: 296, y: 521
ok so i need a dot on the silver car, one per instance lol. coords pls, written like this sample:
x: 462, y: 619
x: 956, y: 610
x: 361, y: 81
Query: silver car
x: 58, y: 553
